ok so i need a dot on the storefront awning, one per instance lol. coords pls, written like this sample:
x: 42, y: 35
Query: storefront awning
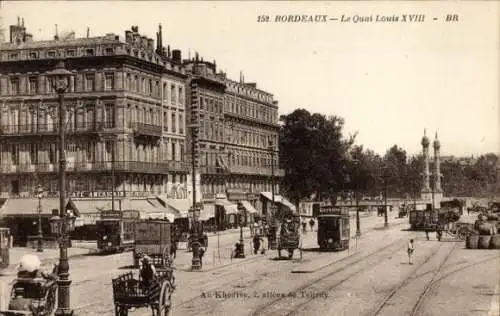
x: 229, y: 207
x: 207, y: 212
x: 287, y: 203
x: 148, y: 210
x: 29, y: 207
x: 91, y: 206
x: 181, y: 206
x: 248, y: 207
x: 269, y: 196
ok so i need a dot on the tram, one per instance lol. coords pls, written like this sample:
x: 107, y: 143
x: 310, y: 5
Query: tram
x: 115, y: 231
x: 333, y: 228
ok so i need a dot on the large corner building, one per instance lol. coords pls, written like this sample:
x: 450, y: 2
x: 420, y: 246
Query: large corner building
x: 132, y: 104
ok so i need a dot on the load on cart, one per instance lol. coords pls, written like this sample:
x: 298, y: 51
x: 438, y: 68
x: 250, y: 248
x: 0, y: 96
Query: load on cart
x: 33, y: 290
x: 152, y: 288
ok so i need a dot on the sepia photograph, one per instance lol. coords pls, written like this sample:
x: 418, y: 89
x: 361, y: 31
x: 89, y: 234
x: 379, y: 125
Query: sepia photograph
x: 249, y: 158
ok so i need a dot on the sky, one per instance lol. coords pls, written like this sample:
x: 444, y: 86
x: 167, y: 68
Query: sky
x: 389, y: 81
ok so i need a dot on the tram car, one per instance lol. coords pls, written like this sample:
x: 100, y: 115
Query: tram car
x: 333, y: 228
x: 115, y: 231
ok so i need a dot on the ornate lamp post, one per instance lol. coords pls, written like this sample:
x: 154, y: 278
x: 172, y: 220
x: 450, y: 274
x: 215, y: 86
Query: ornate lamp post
x: 196, y: 234
x: 61, y: 76
x: 39, y: 194
x: 241, y: 245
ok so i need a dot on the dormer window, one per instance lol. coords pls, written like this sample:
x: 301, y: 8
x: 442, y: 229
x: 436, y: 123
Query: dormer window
x: 70, y: 53
x: 89, y: 52
x: 13, y: 56
x: 109, y: 51
x: 33, y: 55
x: 51, y: 54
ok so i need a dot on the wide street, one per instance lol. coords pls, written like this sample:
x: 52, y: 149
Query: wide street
x: 373, y: 277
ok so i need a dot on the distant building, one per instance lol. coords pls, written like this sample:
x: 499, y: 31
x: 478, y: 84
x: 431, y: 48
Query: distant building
x: 235, y: 122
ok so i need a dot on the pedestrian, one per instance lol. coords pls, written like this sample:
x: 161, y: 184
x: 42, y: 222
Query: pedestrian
x: 427, y: 233
x: 438, y: 234
x: 411, y: 249
x: 304, y: 226
x: 173, y: 249
x: 311, y: 223
x: 256, y: 243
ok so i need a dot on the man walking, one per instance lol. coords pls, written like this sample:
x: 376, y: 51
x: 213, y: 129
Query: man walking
x: 411, y: 249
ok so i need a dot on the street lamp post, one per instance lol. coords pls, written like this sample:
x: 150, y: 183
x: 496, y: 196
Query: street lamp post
x: 241, y: 251
x: 385, y: 175
x: 272, y: 216
x: 61, y: 75
x: 358, y: 222
x: 39, y: 192
x: 197, y: 229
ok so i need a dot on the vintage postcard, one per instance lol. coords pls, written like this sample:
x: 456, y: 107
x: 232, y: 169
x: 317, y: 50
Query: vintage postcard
x: 249, y: 158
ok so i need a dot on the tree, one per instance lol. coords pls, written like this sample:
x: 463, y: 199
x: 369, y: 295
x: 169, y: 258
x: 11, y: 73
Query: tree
x: 396, y: 167
x: 313, y: 153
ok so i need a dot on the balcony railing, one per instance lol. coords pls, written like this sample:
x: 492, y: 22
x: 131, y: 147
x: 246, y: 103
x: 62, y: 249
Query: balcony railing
x: 143, y: 129
x: 265, y: 171
x: 54, y: 193
x: 52, y: 129
x: 118, y: 166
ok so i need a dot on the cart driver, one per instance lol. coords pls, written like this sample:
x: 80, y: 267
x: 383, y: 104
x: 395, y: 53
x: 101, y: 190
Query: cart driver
x: 147, y: 271
x: 30, y: 267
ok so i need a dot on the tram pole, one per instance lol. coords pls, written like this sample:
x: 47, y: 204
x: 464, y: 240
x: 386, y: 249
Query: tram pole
x: 356, y: 192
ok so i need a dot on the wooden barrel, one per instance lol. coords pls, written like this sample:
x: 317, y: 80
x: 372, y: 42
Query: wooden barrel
x: 471, y: 241
x: 484, y: 242
x: 495, y: 242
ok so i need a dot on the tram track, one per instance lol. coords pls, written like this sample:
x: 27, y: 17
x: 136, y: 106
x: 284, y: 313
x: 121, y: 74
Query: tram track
x: 417, y: 308
x: 379, y: 255
x: 411, y: 277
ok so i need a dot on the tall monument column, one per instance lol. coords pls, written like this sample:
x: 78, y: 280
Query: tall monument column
x: 426, y: 189
x: 438, y: 191
x: 437, y: 166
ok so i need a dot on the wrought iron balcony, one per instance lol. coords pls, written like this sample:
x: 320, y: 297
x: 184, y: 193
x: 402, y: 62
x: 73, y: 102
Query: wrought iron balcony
x: 262, y: 171
x: 247, y: 170
x: 143, y: 129
x: 52, y: 129
x: 106, y: 166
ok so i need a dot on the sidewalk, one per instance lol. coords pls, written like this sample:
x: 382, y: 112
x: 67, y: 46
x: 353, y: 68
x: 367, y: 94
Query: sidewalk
x: 46, y: 257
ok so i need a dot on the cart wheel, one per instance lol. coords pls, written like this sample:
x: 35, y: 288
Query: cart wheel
x: 165, y: 299
x: 121, y: 310
x: 51, y: 299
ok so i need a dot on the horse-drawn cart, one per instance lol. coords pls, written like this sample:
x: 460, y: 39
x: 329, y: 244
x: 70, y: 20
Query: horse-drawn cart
x: 32, y: 295
x: 129, y: 292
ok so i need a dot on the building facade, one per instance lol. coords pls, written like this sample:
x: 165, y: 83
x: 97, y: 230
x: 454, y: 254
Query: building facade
x: 130, y: 108
x: 118, y: 94
x: 236, y: 125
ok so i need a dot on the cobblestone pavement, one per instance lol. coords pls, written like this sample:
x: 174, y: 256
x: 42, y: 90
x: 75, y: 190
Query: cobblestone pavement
x: 356, y: 282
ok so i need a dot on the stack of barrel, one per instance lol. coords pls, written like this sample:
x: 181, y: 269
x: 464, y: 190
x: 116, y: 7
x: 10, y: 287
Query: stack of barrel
x: 485, y: 234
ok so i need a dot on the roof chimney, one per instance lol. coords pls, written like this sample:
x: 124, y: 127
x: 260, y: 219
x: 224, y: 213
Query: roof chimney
x: 176, y: 55
x: 56, y: 37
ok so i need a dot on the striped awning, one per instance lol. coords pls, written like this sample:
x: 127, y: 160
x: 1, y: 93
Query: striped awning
x: 248, y: 207
x: 148, y: 210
